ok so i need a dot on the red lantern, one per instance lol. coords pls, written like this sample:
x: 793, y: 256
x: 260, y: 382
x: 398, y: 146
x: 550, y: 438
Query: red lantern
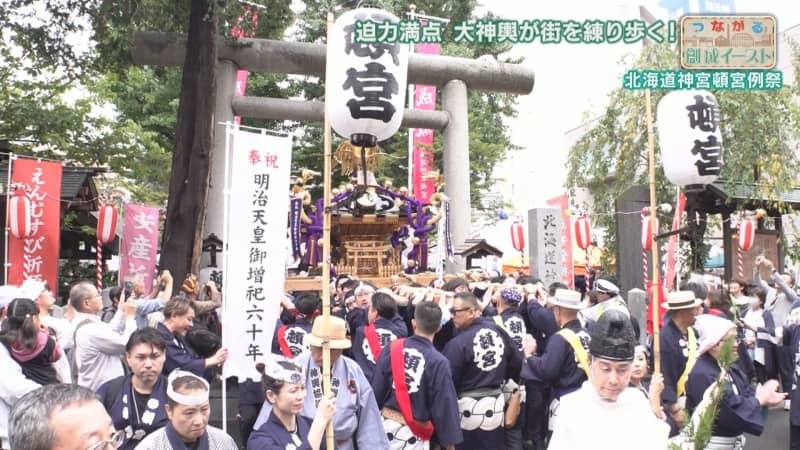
x: 106, y: 224
x: 518, y: 236
x: 582, y: 235
x: 647, y: 232
x: 747, y: 233
x: 19, y: 215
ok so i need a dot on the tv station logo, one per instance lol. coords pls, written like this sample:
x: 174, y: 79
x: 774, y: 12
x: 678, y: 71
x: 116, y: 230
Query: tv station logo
x: 728, y: 42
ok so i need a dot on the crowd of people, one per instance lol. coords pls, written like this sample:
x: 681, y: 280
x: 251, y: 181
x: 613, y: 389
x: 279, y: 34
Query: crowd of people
x: 474, y: 360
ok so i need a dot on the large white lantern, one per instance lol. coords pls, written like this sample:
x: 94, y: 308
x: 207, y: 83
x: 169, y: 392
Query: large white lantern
x: 365, y: 83
x: 690, y: 138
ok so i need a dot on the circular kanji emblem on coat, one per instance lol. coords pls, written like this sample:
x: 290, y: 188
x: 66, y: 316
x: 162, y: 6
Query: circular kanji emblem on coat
x: 385, y: 337
x: 487, y: 349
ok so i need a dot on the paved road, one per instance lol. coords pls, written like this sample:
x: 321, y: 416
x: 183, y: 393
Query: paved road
x: 776, y: 433
x: 775, y: 436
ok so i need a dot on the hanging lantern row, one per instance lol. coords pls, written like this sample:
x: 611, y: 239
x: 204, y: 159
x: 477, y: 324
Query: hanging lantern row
x: 518, y: 236
x: 106, y: 224
x: 747, y: 232
x: 19, y: 215
x: 582, y: 232
x: 649, y: 229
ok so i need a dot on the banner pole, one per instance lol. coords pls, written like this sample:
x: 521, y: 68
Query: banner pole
x: 8, y: 191
x: 326, y: 249
x: 656, y: 278
x: 225, y: 236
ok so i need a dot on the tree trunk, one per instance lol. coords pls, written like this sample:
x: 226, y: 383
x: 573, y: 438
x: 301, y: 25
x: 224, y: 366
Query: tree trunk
x: 188, y: 184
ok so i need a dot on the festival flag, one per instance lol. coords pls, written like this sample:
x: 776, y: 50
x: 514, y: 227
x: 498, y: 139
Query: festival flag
x: 139, y: 247
x: 36, y: 256
x: 422, y: 138
x: 250, y: 14
x: 255, y: 267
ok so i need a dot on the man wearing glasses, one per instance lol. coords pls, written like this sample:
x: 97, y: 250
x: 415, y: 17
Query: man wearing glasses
x: 98, y: 345
x: 482, y: 357
x: 61, y: 417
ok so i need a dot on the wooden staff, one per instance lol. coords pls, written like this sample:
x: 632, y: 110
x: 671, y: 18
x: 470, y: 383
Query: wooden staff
x: 326, y: 252
x: 656, y: 273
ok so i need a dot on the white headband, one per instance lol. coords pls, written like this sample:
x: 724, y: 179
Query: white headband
x: 183, y: 399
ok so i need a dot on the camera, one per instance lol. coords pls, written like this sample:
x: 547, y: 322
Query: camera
x: 128, y: 286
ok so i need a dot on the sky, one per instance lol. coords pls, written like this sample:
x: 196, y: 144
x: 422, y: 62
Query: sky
x: 572, y: 80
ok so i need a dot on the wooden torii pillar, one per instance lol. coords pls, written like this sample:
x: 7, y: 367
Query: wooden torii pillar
x: 454, y: 75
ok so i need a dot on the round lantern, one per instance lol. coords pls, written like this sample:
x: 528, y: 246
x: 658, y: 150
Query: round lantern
x: 747, y: 233
x: 518, y: 236
x: 365, y: 83
x: 648, y: 232
x: 106, y: 224
x: 582, y: 236
x: 19, y: 215
x: 690, y: 138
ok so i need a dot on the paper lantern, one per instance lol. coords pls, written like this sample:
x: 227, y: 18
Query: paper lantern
x: 648, y: 231
x: 19, y: 215
x: 582, y: 234
x: 518, y: 236
x: 690, y: 138
x: 747, y: 233
x: 365, y: 83
x: 106, y: 224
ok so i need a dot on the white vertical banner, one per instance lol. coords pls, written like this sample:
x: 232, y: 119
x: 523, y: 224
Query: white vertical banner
x: 254, y: 266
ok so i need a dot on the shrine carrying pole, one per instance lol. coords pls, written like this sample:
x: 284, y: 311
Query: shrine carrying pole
x: 655, y: 285
x: 326, y: 253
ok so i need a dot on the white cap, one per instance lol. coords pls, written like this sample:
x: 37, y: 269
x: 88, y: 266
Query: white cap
x: 711, y: 329
x: 31, y: 288
x: 8, y: 293
x: 606, y: 287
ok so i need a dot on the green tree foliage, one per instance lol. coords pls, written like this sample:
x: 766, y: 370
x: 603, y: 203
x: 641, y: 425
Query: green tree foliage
x: 489, y: 138
x: 759, y: 130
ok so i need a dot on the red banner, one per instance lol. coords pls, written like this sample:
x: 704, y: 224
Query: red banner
x: 250, y: 14
x: 36, y: 256
x: 422, y: 139
x: 139, y: 246
x: 562, y: 202
x: 672, y: 248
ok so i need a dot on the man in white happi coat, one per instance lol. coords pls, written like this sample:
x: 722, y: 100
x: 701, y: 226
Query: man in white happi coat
x: 605, y: 413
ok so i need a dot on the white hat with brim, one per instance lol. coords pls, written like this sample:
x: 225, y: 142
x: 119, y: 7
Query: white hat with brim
x: 336, y: 333
x: 565, y: 298
x: 606, y: 287
x: 711, y: 330
x: 681, y: 300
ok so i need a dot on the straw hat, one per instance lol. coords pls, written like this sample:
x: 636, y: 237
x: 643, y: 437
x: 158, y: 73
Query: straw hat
x: 565, y: 298
x: 336, y: 335
x: 681, y: 300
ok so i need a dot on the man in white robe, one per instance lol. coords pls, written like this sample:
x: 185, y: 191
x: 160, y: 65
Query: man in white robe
x: 605, y: 413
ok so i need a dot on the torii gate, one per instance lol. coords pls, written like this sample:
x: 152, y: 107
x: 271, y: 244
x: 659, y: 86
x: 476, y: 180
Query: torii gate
x: 453, y: 75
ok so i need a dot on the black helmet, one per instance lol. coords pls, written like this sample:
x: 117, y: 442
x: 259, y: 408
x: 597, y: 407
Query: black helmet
x: 613, y: 337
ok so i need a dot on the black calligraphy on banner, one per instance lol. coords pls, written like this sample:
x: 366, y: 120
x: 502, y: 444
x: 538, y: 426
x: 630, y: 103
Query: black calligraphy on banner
x: 374, y: 89
x: 704, y: 116
x: 255, y: 295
